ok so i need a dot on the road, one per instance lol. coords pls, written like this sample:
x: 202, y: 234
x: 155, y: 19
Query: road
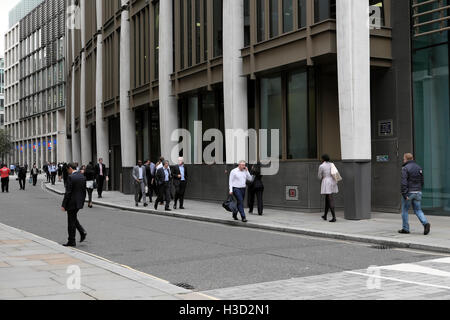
x: 204, y: 256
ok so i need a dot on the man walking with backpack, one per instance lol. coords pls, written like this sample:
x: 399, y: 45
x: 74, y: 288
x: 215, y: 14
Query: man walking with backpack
x: 412, y: 184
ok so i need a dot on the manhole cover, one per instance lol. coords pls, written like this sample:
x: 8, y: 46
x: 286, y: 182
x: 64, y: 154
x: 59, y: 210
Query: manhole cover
x: 184, y: 285
x: 381, y: 247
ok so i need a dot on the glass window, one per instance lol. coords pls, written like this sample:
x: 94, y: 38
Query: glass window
x: 198, y: 29
x: 324, y: 9
x: 246, y: 23
x: 193, y: 115
x: 273, y: 18
x: 156, y: 49
x: 261, y: 20
x: 432, y: 124
x: 205, y: 29
x: 288, y: 15
x: 189, y: 31
x: 182, y: 30
x: 218, y: 25
x: 271, y: 108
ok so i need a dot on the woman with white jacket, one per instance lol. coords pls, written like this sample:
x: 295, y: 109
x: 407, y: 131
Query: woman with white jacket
x: 329, y: 186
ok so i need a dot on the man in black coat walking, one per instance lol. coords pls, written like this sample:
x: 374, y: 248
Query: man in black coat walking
x: 100, y: 176
x: 163, y: 180
x: 73, y: 202
x: 22, y: 177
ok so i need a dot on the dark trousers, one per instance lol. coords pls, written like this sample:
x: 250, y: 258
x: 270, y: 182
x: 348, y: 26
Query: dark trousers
x: 53, y: 177
x: 5, y: 184
x: 73, y: 225
x: 239, y: 193
x: 252, y: 192
x: 35, y: 176
x: 89, y: 192
x: 22, y: 183
x: 48, y: 176
x: 151, y: 186
x: 100, y: 181
x: 329, y: 205
x: 164, y: 193
x: 180, y: 189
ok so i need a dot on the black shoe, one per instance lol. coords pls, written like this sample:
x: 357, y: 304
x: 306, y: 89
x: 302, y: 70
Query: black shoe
x: 250, y: 212
x: 235, y: 217
x: 244, y: 220
x: 137, y: 204
x: 145, y: 204
x: 324, y: 218
x: 182, y: 208
x: 403, y: 231
x: 175, y: 207
x: 83, y: 237
x: 260, y: 214
x: 168, y: 209
x: 156, y: 206
x: 427, y: 229
x: 333, y: 220
x: 68, y: 244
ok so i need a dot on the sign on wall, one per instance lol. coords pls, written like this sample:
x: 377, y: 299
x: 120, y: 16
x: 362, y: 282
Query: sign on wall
x: 291, y: 193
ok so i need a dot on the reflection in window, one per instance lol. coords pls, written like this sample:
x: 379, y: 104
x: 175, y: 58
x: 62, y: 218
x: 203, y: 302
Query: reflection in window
x: 288, y: 15
x: 218, y: 25
x: 261, y: 20
x: 324, y: 10
x: 273, y: 18
x: 271, y: 109
x: 301, y: 13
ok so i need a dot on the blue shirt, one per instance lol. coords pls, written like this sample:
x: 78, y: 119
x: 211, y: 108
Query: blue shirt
x: 182, y: 173
x: 166, y: 173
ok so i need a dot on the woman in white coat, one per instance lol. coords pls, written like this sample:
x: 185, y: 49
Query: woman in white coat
x: 329, y: 186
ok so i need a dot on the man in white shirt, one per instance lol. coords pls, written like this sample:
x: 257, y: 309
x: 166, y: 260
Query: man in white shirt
x: 140, y: 181
x: 238, y: 185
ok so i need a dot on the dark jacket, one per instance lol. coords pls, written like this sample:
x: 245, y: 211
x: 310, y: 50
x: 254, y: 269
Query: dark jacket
x: 22, y: 173
x: 97, y: 170
x: 89, y: 173
x: 75, y: 192
x: 176, y: 171
x: 412, y: 178
x: 160, y: 176
x: 257, y: 183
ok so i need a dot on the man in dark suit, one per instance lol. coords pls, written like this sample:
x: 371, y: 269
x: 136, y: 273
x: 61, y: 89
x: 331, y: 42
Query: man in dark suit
x: 73, y: 202
x: 179, y: 174
x: 163, y: 180
x: 150, y: 170
x: 100, y: 176
x: 22, y: 177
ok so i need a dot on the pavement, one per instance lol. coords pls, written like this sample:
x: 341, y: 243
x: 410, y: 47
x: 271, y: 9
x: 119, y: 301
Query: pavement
x: 34, y: 268
x: 382, y: 229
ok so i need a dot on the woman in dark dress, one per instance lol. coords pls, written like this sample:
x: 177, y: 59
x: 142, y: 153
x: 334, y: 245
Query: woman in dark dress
x: 89, y: 173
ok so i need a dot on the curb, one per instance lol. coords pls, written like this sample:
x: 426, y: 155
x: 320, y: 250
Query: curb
x: 306, y: 232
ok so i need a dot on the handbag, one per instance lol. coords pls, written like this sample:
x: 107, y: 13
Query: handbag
x: 335, y: 173
x: 230, y: 205
x: 30, y: 180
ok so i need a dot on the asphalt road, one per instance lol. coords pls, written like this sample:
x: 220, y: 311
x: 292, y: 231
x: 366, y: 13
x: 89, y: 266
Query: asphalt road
x: 204, y: 255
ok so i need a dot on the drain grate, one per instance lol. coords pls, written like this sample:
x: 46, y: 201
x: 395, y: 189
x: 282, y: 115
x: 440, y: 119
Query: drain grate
x: 183, y: 285
x: 382, y: 247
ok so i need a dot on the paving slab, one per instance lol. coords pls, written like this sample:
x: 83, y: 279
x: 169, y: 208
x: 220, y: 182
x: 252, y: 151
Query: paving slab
x: 49, y: 272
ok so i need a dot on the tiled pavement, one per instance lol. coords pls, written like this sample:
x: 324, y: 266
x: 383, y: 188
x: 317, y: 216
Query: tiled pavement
x: 33, y: 268
x: 427, y: 280
x: 381, y: 229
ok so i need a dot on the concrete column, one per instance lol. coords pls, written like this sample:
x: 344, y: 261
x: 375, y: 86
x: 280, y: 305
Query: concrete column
x: 101, y: 125
x: 86, y: 145
x: 76, y: 151
x: 234, y: 84
x: 168, y: 110
x: 353, y: 58
x: 127, y: 117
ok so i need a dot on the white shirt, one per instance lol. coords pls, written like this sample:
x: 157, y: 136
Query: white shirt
x: 239, y: 178
x: 141, y: 173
